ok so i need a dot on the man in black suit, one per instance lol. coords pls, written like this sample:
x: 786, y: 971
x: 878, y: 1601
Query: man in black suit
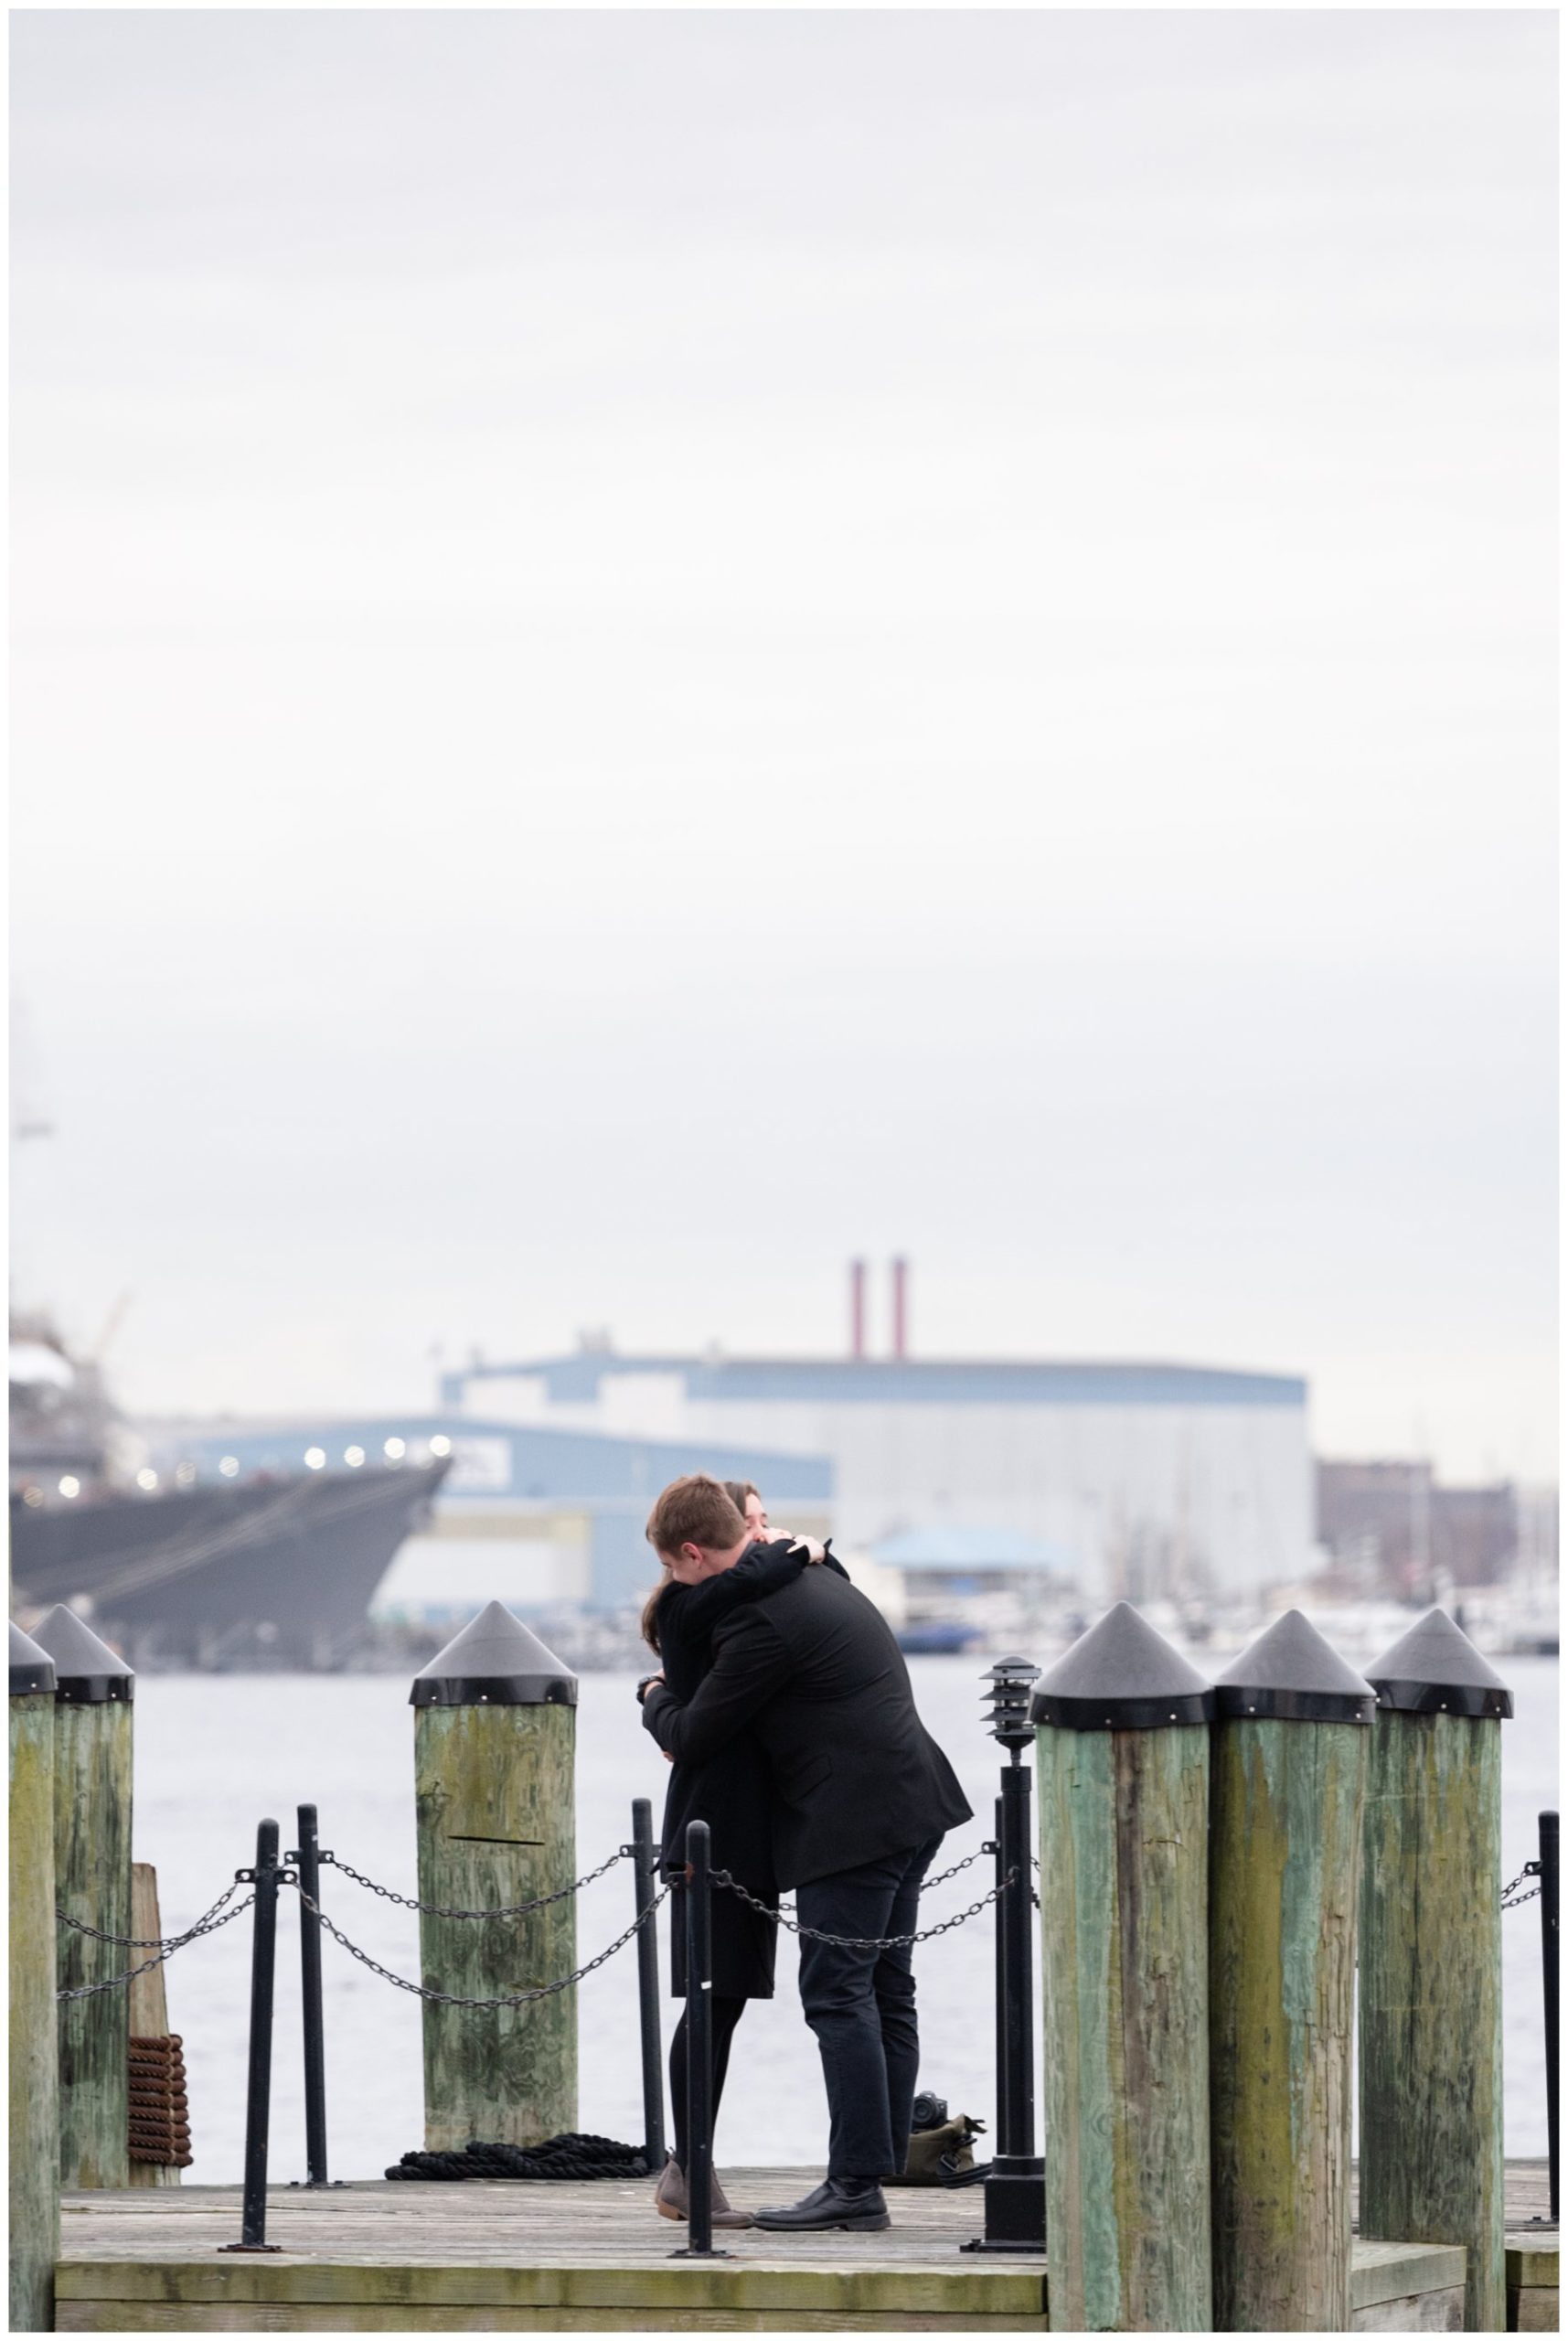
x: 863, y: 1797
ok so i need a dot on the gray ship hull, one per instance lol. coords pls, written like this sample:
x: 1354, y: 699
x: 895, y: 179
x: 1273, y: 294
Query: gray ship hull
x: 278, y: 1573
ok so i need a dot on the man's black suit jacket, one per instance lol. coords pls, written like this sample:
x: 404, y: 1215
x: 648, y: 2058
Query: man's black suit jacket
x: 818, y: 1676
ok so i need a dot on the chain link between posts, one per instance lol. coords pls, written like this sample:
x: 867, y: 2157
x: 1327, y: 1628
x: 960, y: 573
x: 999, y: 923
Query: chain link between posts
x: 500, y: 1999
x: 545, y: 1991
x: 164, y: 1946
x: 784, y: 1915
x: 207, y: 1924
x: 926, y: 1883
x: 521, y: 1910
x: 495, y: 1911
x: 863, y: 1943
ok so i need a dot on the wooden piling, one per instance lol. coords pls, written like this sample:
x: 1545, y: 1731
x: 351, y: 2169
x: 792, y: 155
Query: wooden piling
x: 1291, y: 1735
x: 93, y: 1695
x: 1122, y: 1765
x: 494, y: 1753
x: 1431, y: 1958
x: 33, y: 2082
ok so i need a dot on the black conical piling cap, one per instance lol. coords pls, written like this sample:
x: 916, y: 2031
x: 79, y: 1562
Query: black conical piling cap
x: 32, y: 1669
x: 1436, y: 1668
x: 494, y: 1662
x: 87, y: 1671
x: 1121, y: 1676
x: 1290, y: 1672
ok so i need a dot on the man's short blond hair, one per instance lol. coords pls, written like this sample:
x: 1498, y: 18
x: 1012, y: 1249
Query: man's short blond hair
x: 694, y: 1511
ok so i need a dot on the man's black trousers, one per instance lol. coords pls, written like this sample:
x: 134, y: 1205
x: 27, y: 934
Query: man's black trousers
x: 861, y: 2004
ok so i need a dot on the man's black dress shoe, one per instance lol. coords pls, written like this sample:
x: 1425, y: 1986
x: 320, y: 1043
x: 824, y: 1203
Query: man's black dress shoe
x: 837, y: 2203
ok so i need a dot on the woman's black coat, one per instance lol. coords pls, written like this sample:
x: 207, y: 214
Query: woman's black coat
x: 732, y: 1791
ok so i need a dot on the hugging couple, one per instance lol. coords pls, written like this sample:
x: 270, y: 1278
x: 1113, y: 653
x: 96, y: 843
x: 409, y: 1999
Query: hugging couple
x: 785, y: 1705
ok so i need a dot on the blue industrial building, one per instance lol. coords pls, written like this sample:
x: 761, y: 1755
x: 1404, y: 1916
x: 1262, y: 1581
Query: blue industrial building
x: 570, y: 1504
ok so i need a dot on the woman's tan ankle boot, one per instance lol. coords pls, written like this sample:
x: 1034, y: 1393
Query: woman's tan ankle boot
x: 669, y: 2199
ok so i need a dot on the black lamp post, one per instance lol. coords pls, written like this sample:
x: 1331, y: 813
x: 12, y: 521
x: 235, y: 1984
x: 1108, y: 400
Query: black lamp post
x: 1015, y: 2184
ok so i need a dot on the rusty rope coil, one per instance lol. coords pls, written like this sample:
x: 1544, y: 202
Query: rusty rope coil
x: 207, y: 1924
x: 159, y: 2108
x: 500, y: 1999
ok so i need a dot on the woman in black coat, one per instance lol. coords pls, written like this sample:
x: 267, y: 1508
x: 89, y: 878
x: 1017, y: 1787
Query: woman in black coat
x: 733, y: 1795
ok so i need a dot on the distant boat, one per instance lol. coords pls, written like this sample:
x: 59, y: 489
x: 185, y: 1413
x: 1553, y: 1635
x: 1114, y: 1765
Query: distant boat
x: 938, y: 1638
x: 275, y: 1570
x: 280, y: 1572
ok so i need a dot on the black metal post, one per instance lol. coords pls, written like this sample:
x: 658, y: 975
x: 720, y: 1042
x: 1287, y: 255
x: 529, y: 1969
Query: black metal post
x: 259, y: 2085
x: 698, y: 2050
x: 308, y: 1856
x: 1549, y: 1979
x: 645, y: 1861
x: 699, y: 2042
x: 1015, y: 2184
x: 1018, y: 2143
x: 1001, y: 1915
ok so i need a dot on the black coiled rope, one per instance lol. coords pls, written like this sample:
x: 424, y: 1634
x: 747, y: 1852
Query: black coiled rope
x: 576, y: 2154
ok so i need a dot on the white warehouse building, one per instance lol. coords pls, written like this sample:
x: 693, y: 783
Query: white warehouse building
x: 1138, y: 1480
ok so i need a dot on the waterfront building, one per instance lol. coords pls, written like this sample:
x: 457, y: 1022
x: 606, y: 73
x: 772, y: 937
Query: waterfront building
x: 1399, y: 1530
x: 1140, y: 1479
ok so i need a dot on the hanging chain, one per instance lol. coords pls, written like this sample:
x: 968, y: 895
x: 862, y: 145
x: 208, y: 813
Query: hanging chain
x: 1512, y: 1897
x: 147, y: 1942
x: 926, y: 1883
x: 863, y: 1943
x: 209, y: 1925
x: 501, y: 1999
x: 943, y: 1875
x: 439, y: 1910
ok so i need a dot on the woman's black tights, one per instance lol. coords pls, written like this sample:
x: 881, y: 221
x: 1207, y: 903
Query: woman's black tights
x: 726, y: 2015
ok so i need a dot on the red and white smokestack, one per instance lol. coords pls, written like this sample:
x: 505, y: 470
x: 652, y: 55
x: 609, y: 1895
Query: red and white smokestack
x: 857, y: 1307
x: 901, y: 1308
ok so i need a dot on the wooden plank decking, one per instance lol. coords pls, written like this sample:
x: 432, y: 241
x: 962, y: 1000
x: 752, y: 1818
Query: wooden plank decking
x: 494, y: 2256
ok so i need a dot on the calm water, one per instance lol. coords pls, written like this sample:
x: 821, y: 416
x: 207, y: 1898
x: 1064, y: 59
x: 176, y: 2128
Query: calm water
x: 214, y: 1754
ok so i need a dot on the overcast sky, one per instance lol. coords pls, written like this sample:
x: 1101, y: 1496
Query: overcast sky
x: 655, y: 649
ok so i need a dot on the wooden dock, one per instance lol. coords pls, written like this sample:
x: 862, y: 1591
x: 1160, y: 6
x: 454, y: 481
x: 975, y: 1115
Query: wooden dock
x: 494, y: 2256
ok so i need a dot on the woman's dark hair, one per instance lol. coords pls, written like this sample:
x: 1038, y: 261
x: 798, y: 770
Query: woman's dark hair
x: 650, y: 1618
x: 738, y: 1491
